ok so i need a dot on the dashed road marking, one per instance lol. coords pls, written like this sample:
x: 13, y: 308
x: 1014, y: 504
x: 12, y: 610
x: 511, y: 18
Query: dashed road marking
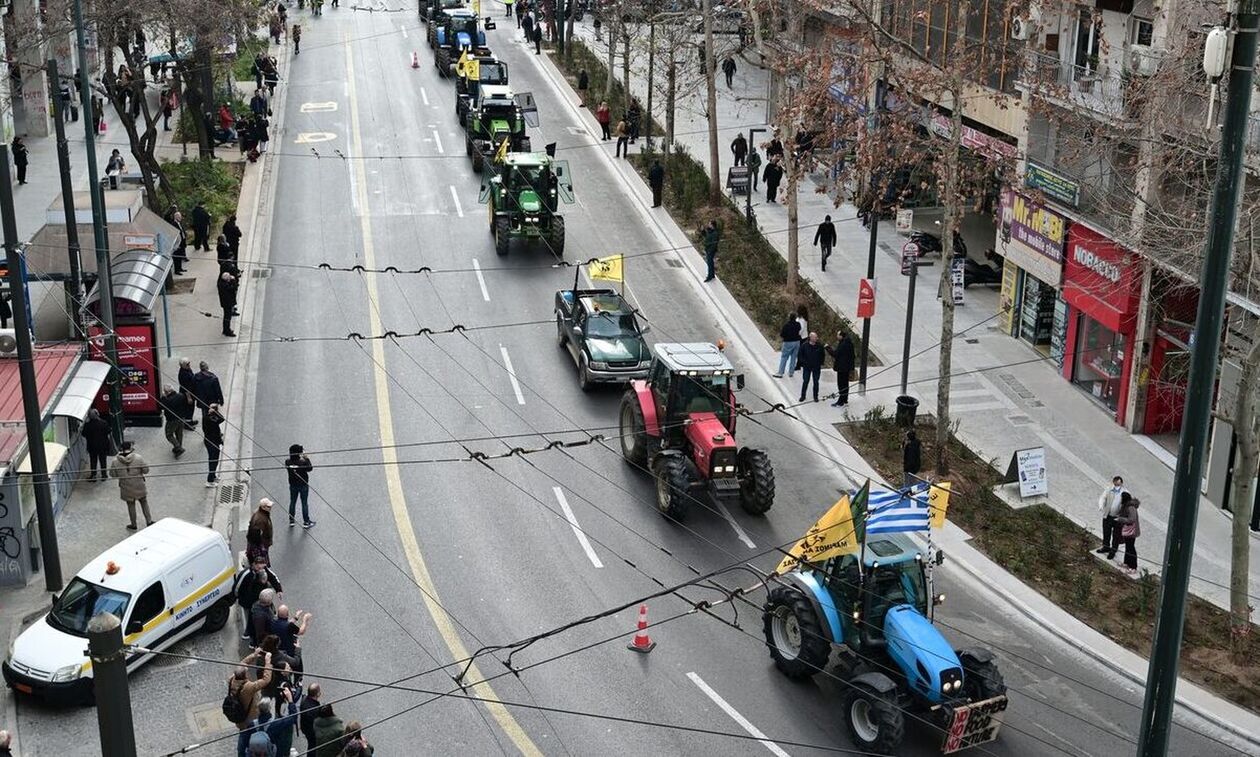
x: 577, y: 530
x: 516, y: 385
x: 424, y: 96
x: 481, y: 281
x: 437, y: 139
x: 734, y: 714
x: 740, y: 533
x: 455, y: 196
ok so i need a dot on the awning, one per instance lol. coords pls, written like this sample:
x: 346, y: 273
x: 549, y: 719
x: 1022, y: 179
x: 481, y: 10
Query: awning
x: 53, y: 451
x: 82, y: 390
x: 139, y: 277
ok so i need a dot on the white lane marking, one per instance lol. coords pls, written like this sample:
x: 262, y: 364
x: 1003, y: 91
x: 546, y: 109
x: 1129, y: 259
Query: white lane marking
x: 455, y: 196
x: 437, y: 138
x: 424, y: 96
x: 577, y: 530
x: 355, y: 207
x: 481, y: 280
x: 403, y: 29
x: 734, y: 714
x: 739, y: 530
x: 516, y: 386
x: 345, y: 89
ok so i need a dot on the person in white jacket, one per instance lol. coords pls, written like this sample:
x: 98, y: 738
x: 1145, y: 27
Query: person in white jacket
x: 1110, y: 503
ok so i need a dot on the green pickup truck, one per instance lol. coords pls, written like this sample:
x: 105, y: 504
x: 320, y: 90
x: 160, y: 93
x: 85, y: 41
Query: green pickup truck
x: 600, y: 331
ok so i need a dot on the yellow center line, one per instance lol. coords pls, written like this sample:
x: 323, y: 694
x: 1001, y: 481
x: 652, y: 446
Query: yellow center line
x: 397, y: 499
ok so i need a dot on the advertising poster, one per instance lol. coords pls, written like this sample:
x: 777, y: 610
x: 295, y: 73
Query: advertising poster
x: 137, y: 362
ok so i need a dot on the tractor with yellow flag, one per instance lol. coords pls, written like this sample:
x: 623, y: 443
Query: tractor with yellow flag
x: 457, y: 31
x: 523, y: 192
x: 857, y: 584
x: 472, y: 71
x: 496, y: 120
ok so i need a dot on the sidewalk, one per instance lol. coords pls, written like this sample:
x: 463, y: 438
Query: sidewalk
x: 94, y: 517
x: 1003, y: 396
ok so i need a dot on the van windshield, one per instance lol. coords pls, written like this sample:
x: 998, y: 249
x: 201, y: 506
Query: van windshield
x: 81, y: 601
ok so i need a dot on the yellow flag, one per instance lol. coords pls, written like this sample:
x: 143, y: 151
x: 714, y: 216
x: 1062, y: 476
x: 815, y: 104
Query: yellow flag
x: 938, y: 503
x: 460, y: 65
x: 476, y: 6
x: 502, y: 152
x: 608, y: 269
x: 472, y: 69
x: 832, y: 535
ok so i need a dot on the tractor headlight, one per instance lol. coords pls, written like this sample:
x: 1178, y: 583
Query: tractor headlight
x: 531, y: 219
x: 66, y: 673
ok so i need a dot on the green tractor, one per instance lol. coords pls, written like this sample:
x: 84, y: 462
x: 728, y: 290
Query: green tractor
x: 478, y: 70
x: 457, y: 33
x: 497, y: 116
x: 524, y: 195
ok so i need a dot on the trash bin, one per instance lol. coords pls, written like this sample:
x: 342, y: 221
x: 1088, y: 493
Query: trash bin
x: 907, y: 407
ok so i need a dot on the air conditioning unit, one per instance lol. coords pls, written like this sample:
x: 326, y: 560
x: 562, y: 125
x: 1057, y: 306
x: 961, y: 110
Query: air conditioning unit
x: 1021, y: 28
x: 8, y: 343
x: 1142, y: 60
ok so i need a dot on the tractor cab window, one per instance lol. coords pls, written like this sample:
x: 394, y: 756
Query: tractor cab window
x: 497, y: 109
x: 464, y: 25
x: 492, y: 73
x: 702, y: 394
x: 900, y: 584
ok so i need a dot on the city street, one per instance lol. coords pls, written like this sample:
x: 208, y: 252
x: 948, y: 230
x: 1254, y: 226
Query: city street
x: 423, y: 555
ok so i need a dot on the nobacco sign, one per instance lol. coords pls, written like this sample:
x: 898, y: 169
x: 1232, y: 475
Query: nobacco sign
x: 1093, y: 262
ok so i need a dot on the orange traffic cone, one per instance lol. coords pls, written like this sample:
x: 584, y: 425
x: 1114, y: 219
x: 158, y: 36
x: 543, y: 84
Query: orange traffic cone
x: 415, y: 60
x: 641, y: 641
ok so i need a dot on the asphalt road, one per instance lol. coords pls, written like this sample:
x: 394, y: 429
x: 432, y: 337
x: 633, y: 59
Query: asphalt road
x: 495, y: 558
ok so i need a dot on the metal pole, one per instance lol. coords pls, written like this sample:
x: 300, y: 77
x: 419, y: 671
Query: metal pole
x: 866, y: 322
x: 67, y: 200
x: 905, y: 347
x: 109, y: 676
x: 748, y: 214
x: 104, y: 266
x: 30, y: 390
x: 1161, y: 677
x: 651, y: 77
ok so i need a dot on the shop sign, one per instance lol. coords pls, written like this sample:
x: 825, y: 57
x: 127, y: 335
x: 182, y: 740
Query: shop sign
x: 1032, y: 236
x: 909, y: 257
x: 1100, y: 278
x: 956, y: 279
x: 905, y: 221
x: 136, y: 366
x: 1028, y: 468
x: 973, y: 139
x: 1092, y: 261
x: 1054, y: 185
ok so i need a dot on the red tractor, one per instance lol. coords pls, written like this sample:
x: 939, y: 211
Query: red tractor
x: 680, y: 424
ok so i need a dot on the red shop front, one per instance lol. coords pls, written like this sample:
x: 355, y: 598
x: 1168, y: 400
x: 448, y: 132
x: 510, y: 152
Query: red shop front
x: 1102, y: 284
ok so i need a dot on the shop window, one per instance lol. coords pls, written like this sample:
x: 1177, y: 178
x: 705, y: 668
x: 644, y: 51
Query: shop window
x: 1099, y: 361
x: 1036, y: 317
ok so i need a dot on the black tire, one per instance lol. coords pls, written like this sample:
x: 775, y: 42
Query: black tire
x: 673, y: 487
x: 794, y: 634
x: 525, y: 145
x: 217, y: 618
x: 478, y: 161
x: 442, y: 60
x: 556, y: 238
x: 981, y: 680
x: 633, y: 430
x: 875, y: 722
x: 561, y: 338
x: 502, y: 236
x: 756, y: 481
x: 468, y: 146
x: 584, y: 375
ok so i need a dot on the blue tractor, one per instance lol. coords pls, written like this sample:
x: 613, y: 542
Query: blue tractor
x: 459, y: 32
x: 874, y: 610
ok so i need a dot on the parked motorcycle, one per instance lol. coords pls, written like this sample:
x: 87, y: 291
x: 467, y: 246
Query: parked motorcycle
x: 988, y: 273
x: 930, y: 244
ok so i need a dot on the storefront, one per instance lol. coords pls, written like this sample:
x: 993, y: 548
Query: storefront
x: 1031, y: 239
x: 1102, y: 286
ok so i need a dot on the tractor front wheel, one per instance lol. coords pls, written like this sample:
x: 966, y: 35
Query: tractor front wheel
x: 673, y: 487
x: 793, y: 634
x: 756, y: 481
x: 875, y: 722
x: 502, y: 236
x: 633, y: 430
x: 443, y: 62
x: 556, y: 238
x: 981, y: 680
x: 478, y: 161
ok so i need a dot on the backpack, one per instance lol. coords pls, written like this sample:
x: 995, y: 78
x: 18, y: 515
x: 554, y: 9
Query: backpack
x: 233, y: 709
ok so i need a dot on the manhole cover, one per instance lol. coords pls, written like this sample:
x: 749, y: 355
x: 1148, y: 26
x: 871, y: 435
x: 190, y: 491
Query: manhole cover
x: 207, y: 720
x: 181, y: 286
x: 231, y: 494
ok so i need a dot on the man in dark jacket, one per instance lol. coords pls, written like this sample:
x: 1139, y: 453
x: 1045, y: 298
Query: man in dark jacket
x: 810, y: 360
x: 174, y: 414
x: 201, y: 228
x: 728, y: 68
x: 227, y: 300
x: 911, y: 458
x: 773, y: 175
x: 308, y: 710
x: 188, y: 385
x: 754, y: 167
x: 298, y: 466
x: 825, y: 236
x: 739, y: 148
x: 248, y: 584
x: 656, y: 180
x: 99, y: 444
x: 711, y: 238
x: 20, y: 159
x: 538, y: 35
x: 232, y: 233
x: 206, y: 388
x: 842, y: 355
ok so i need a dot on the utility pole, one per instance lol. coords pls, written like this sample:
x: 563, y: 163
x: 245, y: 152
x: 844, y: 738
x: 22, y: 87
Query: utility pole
x: 711, y: 103
x: 870, y: 257
x: 104, y: 266
x: 67, y: 198
x: 30, y: 390
x: 905, y: 347
x: 109, y: 682
x: 1161, y: 677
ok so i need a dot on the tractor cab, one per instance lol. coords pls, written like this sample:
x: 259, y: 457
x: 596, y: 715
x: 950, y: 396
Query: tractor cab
x: 524, y: 194
x: 433, y: 9
x: 458, y: 33
x: 688, y: 381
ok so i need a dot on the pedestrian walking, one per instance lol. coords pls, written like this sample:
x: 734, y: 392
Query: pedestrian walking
x: 296, y: 35
x: 174, y: 415
x: 1110, y: 504
x: 603, y: 116
x: 507, y: 8
x: 329, y: 733
x: 774, y: 149
x: 187, y: 385
x: 520, y: 13
x: 656, y: 180
x: 275, y: 26
x: 308, y: 711
x: 728, y: 68
x: 583, y: 84
x: 712, y: 236
x: 180, y: 254
x: 754, y: 166
x: 623, y: 138
x: 212, y: 438
x: 167, y: 101
x: 842, y: 361
x: 739, y: 148
x: 261, y: 132
x: 201, y: 228
x: 99, y: 442
x: 825, y: 237
x: 634, y: 116
x: 1130, y: 530
x: 20, y: 158
x: 791, y: 336
x: 527, y: 26
x: 130, y: 469
x: 206, y: 388
x: 810, y: 359
x: 299, y: 467
x: 773, y: 175
x: 538, y: 35
x: 911, y: 458
x: 227, y: 300
x: 259, y: 535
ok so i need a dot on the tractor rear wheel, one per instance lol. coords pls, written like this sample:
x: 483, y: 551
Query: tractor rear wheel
x: 875, y: 722
x: 556, y: 238
x: 502, y: 236
x: 633, y: 430
x: 756, y: 481
x: 981, y: 680
x: 673, y: 487
x: 478, y: 161
x: 442, y: 60
x: 793, y: 634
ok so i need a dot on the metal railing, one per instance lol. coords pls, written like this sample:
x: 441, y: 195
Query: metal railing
x: 1093, y: 87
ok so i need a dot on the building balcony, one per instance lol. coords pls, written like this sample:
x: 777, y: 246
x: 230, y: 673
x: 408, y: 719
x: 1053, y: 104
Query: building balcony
x: 1097, y: 90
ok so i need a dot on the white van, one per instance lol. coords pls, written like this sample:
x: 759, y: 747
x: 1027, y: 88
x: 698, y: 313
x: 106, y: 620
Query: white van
x: 164, y: 583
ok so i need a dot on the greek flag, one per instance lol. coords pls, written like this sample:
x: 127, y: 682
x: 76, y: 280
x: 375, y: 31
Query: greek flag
x: 898, y: 511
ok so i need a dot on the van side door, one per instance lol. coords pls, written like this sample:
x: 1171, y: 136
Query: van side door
x: 145, y: 624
